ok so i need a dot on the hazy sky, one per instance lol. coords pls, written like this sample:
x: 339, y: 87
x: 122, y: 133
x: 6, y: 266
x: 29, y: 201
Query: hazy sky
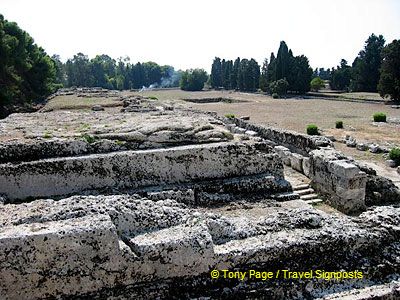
x: 189, y: 34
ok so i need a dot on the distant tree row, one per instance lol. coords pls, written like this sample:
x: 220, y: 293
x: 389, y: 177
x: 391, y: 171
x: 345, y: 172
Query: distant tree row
x: 106, y: 72
x: 375, y: 69
x: 245, y: 75
x: 26, y: 71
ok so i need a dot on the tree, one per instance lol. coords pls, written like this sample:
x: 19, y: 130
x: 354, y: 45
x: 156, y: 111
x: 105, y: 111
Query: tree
x: 316, y: 84
x: 102, y: 70
x: 271, y: 70
x: 341, y: 76
x: 27, y: 73
x: 264, y: 76
x: 152, y: 73
x: 300, y: 74
x: 227, y: 71
x: 295, y: 69
x: 282, y: 61
x: 61, y: 79
x: 389, y: 82
x: 79, y: 71
x: 365, y: 68
x: 235, y: 73
x: 193, y: 80
x: 216, y: 73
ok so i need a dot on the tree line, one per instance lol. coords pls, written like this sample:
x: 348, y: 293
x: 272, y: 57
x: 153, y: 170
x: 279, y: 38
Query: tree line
x: 280, y: 74
x: 28, y: 73
x: 375, y: 69
x: 106, y: 72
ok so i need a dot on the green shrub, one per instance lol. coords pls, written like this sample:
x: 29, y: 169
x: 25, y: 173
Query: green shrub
x: 230, y: 116
x: 275, y: 96
x: 394, y: 154
x: 88, y: 138
x: 312, y: 129
x: 153, y: 97
x: 380, y: 117
x: 279, y: 87
x: 316, y: 84
x: 339, y: 124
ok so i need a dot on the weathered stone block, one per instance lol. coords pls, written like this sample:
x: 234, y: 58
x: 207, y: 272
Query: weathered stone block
x: 306, y: 166
x: 134, y: 169
x: 296, y: 161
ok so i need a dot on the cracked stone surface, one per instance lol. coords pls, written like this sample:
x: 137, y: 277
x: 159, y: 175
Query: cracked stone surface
x: 47, y: 246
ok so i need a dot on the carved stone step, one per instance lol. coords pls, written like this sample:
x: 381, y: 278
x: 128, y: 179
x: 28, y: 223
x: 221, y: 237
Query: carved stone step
x: 305, y: 192
x: 309, y: 197
x: 301, y: 187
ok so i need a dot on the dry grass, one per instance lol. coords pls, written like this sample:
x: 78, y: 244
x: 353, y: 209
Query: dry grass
x: 74, y: 102
x: 352, y: 96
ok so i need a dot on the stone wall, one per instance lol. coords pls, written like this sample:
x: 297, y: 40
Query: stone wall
x: 296, y: 142
x: 134, y: 169
x: 341, y: 181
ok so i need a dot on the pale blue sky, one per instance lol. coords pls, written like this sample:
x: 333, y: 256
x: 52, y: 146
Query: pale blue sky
x: 188, y: 34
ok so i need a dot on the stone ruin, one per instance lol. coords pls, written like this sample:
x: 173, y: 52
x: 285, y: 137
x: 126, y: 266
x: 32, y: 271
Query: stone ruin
x: 144, y: 204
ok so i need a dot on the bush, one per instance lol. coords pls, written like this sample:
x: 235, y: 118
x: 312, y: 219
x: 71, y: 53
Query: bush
x: 153, y: 97
x: 230, y: 116
x: 316, y: 84
x: 394, y: 154
x: 380, y: 117
x: 312, y: 129
x: 279, y: 87
x: 275, y: 96
x: 339, y: 124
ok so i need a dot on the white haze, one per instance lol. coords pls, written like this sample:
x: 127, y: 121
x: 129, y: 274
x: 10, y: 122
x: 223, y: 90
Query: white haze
x: 188, y: 34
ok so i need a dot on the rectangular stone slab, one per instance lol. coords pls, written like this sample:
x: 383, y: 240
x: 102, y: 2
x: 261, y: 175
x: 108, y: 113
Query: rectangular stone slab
x: 133, y: 169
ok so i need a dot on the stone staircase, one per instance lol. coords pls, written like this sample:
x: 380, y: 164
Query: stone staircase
x: 307, y: 193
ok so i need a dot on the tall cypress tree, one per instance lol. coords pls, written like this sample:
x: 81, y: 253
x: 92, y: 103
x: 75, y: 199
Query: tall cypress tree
x: 271, y: 70
x: 227, y: 75
x: 216, y: 73
x: 282, y: 61
x: 254, y: 75
x: 264, y: 76
x: 235, y: 73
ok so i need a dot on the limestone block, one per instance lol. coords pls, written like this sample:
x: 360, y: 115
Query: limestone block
x: 251, y: 133
x: 306, y: 166
x: 362, y: 147
x: 343, y: 168
x: 284, y: 154
x: 391, y: 163
x: 296, y: 161
x: 134, y: 169
x: 176, y: 251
